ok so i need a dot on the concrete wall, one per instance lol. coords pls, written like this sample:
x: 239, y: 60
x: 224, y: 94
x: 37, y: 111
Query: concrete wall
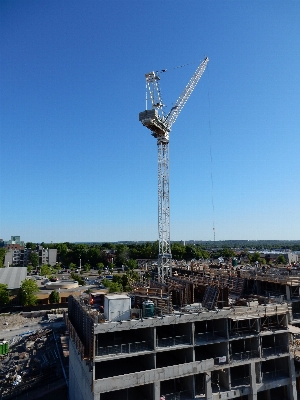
x: 80, y: 378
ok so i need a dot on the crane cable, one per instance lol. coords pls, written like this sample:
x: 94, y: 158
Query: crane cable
x: 211, y: 160
x: 179, y: 66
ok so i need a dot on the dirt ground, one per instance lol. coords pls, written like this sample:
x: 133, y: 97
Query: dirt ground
x: 11, y: 321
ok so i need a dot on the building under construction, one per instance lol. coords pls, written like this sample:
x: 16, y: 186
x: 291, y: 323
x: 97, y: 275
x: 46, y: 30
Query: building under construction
x: 205, y: 333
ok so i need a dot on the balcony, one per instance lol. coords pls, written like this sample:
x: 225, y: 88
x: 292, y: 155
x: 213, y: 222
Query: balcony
x: 173, y: 341
x: 245, y: 355
x: 125, y: 348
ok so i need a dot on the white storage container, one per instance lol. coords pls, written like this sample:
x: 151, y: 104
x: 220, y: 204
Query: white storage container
x: 117, y: 307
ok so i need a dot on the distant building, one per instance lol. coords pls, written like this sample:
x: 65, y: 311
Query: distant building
x: 14, y: 243
x: 18, y: 255
x: 291, y: 257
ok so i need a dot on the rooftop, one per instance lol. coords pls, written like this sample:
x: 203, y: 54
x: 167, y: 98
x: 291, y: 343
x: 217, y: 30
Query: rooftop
x: 13, y: 276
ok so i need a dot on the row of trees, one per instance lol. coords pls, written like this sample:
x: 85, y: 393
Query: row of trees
x: 121, y: 254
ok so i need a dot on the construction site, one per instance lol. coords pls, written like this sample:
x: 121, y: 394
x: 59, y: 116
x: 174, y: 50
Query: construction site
x: 208, y: 332
x: 194, y: 330
x: 35, y: 362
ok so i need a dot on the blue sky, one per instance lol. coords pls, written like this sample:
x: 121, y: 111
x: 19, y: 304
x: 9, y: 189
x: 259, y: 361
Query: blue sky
x: 77, y: 165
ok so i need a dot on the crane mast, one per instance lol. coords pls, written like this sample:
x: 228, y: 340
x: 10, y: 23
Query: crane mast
x: 160, y: 125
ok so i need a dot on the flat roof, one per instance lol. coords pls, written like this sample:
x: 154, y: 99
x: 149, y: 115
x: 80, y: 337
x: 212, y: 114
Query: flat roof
x: 117, y: 296
x: 13, y: 276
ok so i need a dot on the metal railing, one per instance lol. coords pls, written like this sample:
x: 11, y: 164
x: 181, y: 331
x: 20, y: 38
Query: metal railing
x: 272, y: 375
x: 245, y: 355
x: 173, y: 341
x: 243, y: 381
x: 125, y: 348
x: 209, y: 336
x: 272, y: 351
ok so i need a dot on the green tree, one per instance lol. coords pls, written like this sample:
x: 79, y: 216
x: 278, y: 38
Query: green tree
x: 122, y: 254
x: 281, y: 259
x: 4, y: 294
x: 254, y: 257
x: 54, y: 297
x: 29, y: 269
x: 112, y: 286
x: 100, y: 267
x: 79, y: 252
x: 111, y: 267
x: 34, y: 259
x: 30, y: 245
x: 178, y: 251
x: 87, y: 267
x: 78, y: 279
x: 62, y: 250
x: 28, y: 290
x: 2, y: 256
x: 94, y: 256
x: 72, y: 266
x: 227, y: 252
x: 131, y: 264
x: 45, y: 270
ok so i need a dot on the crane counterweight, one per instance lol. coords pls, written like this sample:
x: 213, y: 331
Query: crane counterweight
x: 151, y: 120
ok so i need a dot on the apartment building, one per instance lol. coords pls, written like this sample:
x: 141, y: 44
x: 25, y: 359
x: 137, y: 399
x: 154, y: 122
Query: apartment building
x: 124, y: 353
x: 21, y: 256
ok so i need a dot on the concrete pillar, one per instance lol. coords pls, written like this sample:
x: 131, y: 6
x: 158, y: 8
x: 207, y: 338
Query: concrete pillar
x: 253, y: 387
x: 288, y: 292
x: 156, y: 391
x: 193, y: 335
x: 258, y: 287
x: 291, y: 387
x: 208, y: 388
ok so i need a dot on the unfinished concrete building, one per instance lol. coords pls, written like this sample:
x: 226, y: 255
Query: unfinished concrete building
x: 158, y: 344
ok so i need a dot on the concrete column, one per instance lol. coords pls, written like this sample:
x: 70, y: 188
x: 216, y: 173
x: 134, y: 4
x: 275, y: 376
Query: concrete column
x: 288, y: 292
x: 253, y: 387
x: 156, y: 391
x: 208, y: 388
x: 226, y: 328
x: 193, y: 333
x: 291, y: 387
x: 258, y: 287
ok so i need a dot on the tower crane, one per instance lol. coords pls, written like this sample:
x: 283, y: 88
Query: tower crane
x: 160, y: 124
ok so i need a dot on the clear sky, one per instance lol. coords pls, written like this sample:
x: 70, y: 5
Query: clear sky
x: 77, y: 165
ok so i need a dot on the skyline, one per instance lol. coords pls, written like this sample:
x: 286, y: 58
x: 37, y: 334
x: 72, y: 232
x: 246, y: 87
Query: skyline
x: 77, y: 165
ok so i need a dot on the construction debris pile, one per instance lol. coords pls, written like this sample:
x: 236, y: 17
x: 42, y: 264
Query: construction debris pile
x: 15, y: 320
x: 32, y: 360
